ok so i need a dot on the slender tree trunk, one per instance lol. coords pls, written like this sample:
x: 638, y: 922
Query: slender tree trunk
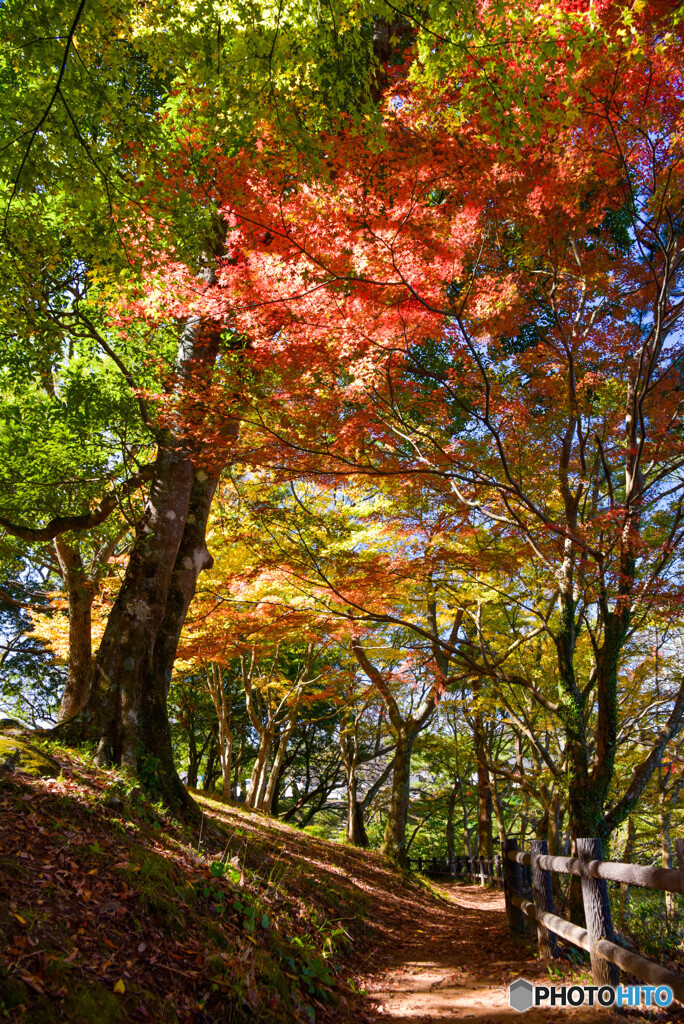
x: 238, y: 764
x: 451, y: 810
x: 484, y: 792
x: 256, y: 781
x: 352, y: 833
x: 263, y: 783
x: 226, y: 763
x: 664, y: 817
x: 623, y: 903
x: 278, y: 762
x: 466, y: 828
x: 363, y: 805
x: 193, y: 760
x: 80, y: 594
x: 211, y: 768
x: 349, y: 749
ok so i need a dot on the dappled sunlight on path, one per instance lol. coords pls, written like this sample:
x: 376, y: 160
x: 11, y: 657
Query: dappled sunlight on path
x: 455, y: 962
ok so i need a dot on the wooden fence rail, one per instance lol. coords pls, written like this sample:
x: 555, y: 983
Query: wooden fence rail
x: 525, y: 878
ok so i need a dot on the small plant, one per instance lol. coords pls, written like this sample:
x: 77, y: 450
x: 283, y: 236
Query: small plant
x: 225, y: 869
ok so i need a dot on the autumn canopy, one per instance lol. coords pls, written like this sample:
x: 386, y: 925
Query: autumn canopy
x: 341, y: 407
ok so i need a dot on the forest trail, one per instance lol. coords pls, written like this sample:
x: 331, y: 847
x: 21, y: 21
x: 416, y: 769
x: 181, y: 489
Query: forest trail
x: 110, y: 912
x: 457, y: 963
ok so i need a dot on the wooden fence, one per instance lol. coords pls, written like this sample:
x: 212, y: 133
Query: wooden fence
x: 473, y: 869
x: 523, y: 875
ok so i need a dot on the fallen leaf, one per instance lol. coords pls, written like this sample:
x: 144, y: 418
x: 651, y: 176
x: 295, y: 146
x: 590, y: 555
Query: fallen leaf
x: 119, y: 986
x: 32, y: 981
x: 20, y: 919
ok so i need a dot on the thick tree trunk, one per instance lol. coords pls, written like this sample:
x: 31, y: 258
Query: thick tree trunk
x: 126, y: 706
x: 154, y: 738
x: 80, y: 594
x: 123, y: 664
x: 394, y: 845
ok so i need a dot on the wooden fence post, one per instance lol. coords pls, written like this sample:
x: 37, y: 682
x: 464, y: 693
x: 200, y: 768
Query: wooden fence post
x: 596, y: 911
x: 482, y: 871
x: 512, y: 886
x: 543, y: 900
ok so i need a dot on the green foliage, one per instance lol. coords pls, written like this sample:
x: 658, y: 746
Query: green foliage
x: 654, y: 932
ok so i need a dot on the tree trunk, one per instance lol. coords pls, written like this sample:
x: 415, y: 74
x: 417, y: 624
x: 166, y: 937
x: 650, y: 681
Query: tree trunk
x: 394, y: 845
x: 193, y: 758
x: 359, y: 831
x: 466, y: 827
x: 349, y: 749
x: 363, y: 805
x: 191, y: 558
x: 623, y: 902
x: 664, y: 816
x: 451, y: 809
x: 256, y: 781
x: 211, y: 768
x: 80, y: 594
x: 352, y: 837
x: 122, y: 666
x: 226, y: 763
x: 497, y: 808
x: 126, y: 707
x: 484, y: 793
x: 278, y: 763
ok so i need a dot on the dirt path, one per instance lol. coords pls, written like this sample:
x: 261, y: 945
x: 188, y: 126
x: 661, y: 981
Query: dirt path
x: 456, y: 963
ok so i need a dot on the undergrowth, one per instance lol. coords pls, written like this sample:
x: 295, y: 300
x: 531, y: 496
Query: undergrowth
x: 112, y: 911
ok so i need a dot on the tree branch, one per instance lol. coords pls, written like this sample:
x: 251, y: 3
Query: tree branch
x: 85, y: 521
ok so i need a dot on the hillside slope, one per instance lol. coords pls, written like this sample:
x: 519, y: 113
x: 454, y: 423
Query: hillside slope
x: 110, y: 911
